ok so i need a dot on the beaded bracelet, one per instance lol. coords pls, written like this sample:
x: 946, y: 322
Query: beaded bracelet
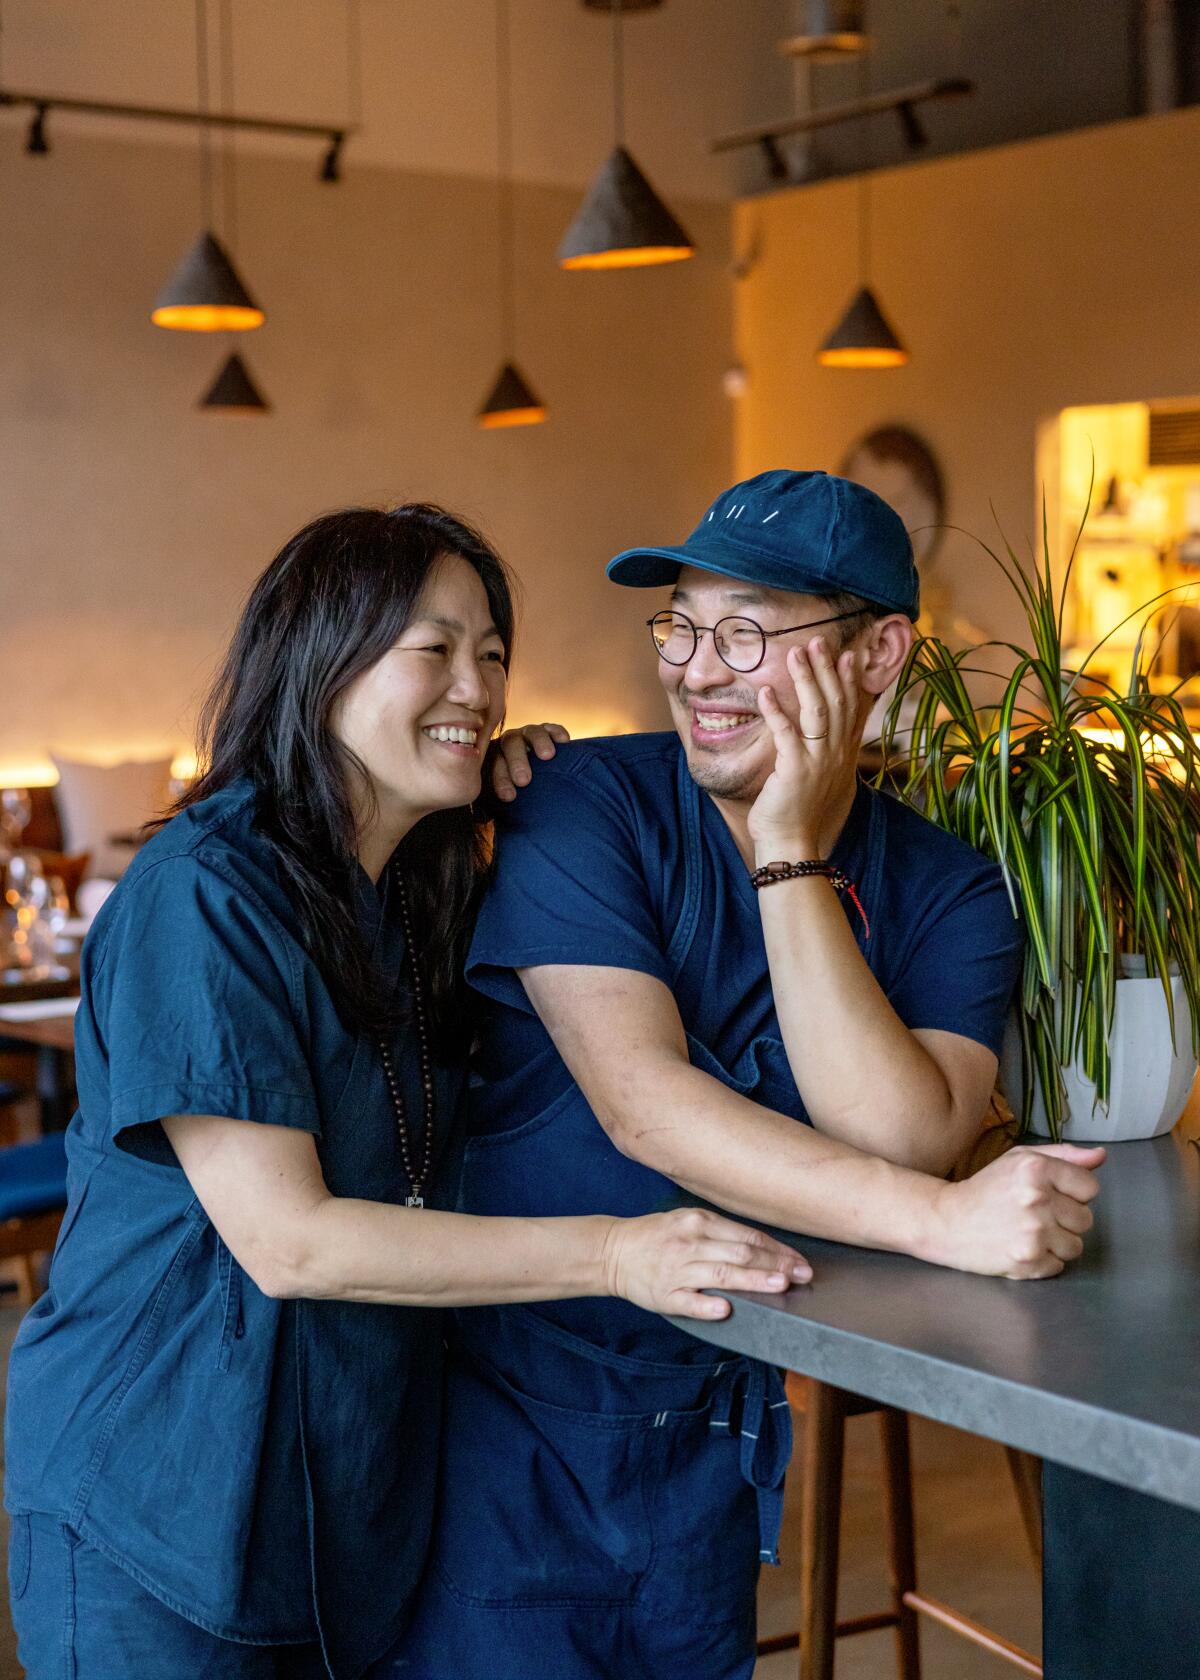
x: 769, y: 873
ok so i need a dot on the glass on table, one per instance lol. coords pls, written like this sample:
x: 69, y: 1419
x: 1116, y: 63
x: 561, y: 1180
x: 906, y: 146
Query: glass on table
x: 16, y: 808
x: 33, y: 922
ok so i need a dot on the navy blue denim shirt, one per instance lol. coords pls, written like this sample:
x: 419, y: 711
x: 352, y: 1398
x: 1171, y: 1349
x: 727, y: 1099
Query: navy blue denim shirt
x: 265, y: 1467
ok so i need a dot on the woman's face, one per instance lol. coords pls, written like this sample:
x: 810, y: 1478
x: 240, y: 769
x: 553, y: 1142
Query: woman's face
x: 420, y: 718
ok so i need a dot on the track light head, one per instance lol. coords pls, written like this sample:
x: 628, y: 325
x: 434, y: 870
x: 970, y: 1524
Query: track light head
x: 911, y: 126
x: 331, y: 164
x: 37, y: 144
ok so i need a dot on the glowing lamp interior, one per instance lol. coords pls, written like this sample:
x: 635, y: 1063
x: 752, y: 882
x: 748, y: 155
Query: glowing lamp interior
x: 207, y: 317
x: 512, y: 417
x: 862, y: 357
x: 631, y: 256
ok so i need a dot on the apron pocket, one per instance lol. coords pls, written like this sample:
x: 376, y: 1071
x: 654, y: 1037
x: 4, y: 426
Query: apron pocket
x: 706, y: 1572
x: 540, y: 1504
x: 18, y: 1555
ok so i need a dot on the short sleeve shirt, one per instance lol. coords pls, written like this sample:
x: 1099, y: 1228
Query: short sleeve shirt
x: 265, y: 1467
x: 613, y: 857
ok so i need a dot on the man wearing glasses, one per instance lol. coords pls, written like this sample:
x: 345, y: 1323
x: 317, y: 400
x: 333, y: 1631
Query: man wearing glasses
x: 694, y: 941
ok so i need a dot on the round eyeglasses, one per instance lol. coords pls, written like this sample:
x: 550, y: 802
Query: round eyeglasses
x: 741, y: 643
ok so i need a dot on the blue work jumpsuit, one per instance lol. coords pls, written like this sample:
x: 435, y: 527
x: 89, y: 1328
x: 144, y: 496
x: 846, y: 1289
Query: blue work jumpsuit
x: 610, y: 1484
x: 263, y: 1469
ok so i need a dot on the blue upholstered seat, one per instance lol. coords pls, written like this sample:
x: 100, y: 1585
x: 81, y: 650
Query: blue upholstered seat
x: 33, y: 1177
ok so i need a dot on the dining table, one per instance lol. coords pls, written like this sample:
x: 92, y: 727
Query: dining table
x: 38, y: 1013
x: 1096, y: 1371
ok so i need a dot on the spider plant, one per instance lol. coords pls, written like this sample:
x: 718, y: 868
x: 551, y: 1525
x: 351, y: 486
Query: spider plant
x: 1089, y: 800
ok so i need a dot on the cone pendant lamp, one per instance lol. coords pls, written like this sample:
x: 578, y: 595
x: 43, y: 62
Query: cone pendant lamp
x: 863, y: 337
x: 622, y: 223
x: 205, y: 293
x: 511, y: 400
x: 233, y: 391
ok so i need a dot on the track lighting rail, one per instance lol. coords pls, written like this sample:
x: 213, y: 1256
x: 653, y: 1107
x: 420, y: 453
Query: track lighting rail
x: 903, y: 101
x: 41, y: 104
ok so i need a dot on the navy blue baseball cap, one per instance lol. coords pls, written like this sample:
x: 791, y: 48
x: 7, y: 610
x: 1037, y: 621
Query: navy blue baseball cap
x: 807, y: 532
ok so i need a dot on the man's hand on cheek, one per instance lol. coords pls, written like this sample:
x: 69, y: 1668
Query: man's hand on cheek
x: 816, y: 749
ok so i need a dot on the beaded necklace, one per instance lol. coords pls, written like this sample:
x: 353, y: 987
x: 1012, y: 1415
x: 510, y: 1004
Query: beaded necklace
x: 418, y: 1179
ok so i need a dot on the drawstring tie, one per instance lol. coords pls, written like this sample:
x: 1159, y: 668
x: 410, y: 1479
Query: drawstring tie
x: 765, y: 1443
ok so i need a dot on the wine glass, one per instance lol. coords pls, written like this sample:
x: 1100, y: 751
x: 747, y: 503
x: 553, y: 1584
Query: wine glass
x: 57, y: 912
x: 16, y: 809
x: 24, y: 896
x: 24, y: 868
x: 15, y: 812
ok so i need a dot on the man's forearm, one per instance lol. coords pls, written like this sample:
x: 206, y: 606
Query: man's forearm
x: 768, y: 1167
x: 862, y: 1075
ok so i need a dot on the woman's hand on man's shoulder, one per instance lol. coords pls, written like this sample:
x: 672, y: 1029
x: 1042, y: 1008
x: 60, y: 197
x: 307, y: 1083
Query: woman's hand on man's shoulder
x: 509, y: 757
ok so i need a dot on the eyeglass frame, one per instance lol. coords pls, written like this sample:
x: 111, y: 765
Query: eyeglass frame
x: 730, y: 618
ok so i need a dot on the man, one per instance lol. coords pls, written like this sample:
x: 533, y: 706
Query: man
x: 694, y: 941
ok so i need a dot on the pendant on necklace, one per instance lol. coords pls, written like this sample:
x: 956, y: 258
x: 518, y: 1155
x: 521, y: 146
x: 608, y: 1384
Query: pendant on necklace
x: 414, y: 1201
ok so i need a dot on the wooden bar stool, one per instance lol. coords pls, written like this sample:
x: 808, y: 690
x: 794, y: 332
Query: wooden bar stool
x: 825, y: 1410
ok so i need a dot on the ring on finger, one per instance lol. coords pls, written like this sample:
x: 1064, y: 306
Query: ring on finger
x: 820, y: 737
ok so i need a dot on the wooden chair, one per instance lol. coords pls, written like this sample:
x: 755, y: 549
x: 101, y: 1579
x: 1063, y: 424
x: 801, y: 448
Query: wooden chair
x: 10, y: 1095
x: 825, y: 1410
x: 33, y: 1198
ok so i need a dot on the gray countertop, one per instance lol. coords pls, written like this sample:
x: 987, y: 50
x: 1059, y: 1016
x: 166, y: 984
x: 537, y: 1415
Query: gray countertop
x: 1098, y: 1369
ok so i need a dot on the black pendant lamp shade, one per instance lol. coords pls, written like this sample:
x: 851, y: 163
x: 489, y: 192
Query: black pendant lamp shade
x: 863, y: 338
x: 622, y: 223
x: 234, y: 392
x: 511, y: 402
x: 205, y: 294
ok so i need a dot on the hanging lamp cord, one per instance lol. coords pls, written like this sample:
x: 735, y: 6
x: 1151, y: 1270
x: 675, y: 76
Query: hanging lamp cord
x: 618, y: 75
x: 229, y: 199
x: 354, y: 64
x: 864, y: 178
x: 206, y: 181
x: 504, y: 182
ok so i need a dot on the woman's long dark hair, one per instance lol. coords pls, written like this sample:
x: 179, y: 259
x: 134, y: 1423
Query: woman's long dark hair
x: 331, y: 603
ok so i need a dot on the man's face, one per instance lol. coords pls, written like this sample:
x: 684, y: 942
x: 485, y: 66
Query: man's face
x: 730, y: 750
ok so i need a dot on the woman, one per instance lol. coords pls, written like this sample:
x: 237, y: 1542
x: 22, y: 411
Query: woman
x: 223, y: 1416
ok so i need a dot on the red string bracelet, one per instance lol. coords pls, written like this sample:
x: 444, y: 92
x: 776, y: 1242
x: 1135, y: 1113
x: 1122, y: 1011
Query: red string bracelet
x: 769, y: 873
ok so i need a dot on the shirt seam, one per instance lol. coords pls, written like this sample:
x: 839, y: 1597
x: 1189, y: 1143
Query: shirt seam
x: 564, y: 952
x: 127, y: 1091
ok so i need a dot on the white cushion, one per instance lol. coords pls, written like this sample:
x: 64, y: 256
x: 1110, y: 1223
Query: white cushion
x: 91, y: 896
x: 98, y: 801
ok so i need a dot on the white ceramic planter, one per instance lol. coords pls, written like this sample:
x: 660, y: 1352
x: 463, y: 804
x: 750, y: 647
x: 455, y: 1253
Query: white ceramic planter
x: 1151, y: 1074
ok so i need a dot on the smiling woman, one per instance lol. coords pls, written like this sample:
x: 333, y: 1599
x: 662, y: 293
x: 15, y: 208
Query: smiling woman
x: 414, y: 724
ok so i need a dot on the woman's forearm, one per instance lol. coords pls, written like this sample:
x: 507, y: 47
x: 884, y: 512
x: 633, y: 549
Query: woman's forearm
x: 263, y: 1188
x: 371, y: 1251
